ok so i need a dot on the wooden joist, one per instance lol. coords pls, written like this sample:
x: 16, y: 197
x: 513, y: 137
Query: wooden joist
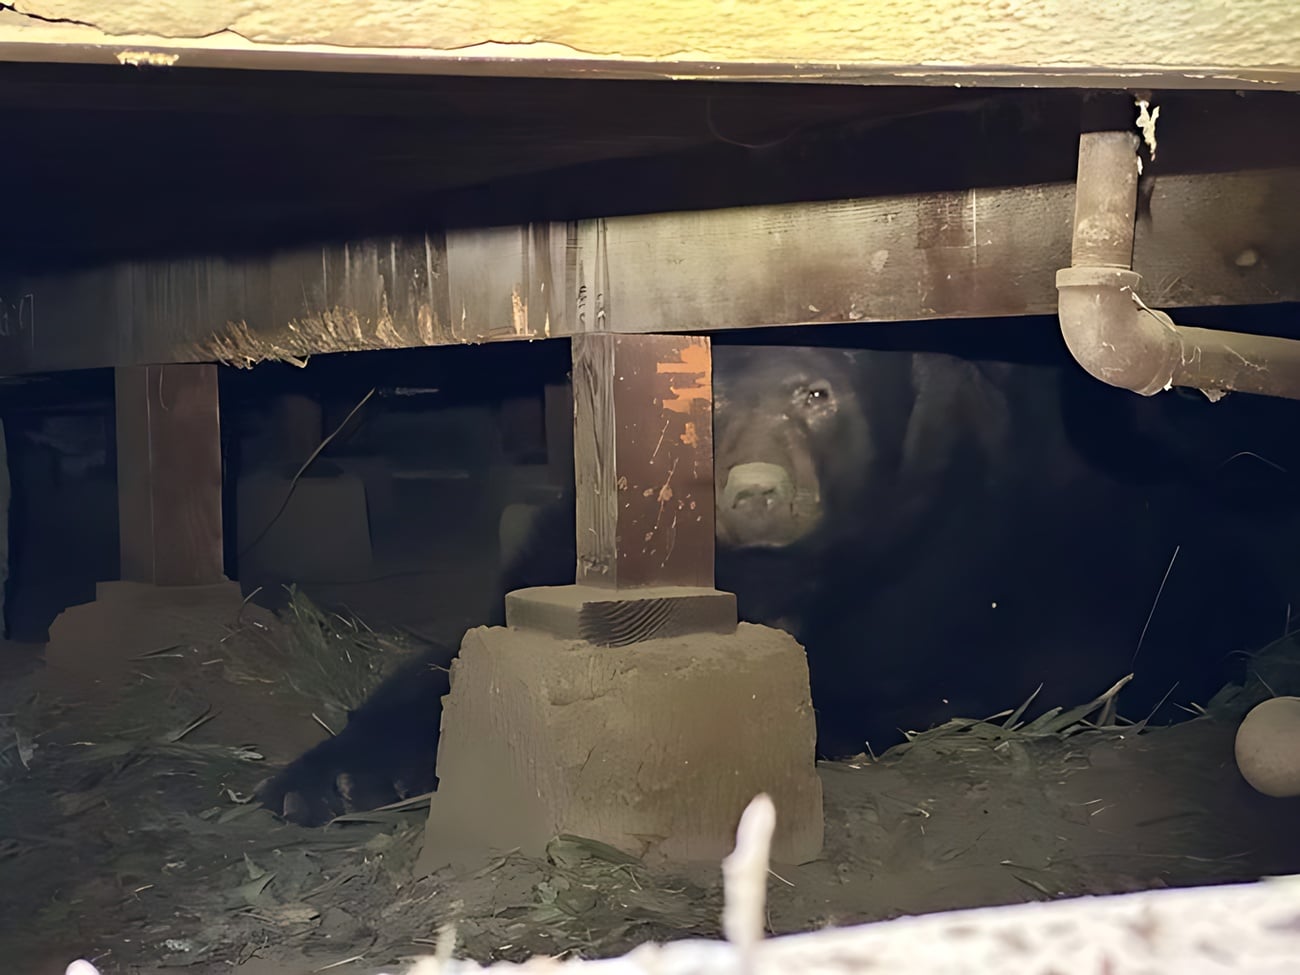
x: 1203, y: 239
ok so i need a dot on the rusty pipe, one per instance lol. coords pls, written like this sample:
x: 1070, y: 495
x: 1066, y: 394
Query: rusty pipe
x: 1112, y: 333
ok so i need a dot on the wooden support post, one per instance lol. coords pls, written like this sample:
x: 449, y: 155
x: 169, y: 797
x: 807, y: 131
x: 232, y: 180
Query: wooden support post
x: 169, y: 475
x: 643, y: 469
x: 643, y: 460
x: 671, y: 737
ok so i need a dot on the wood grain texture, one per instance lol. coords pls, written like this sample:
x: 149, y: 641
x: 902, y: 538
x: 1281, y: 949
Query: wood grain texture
x: 594, y: 465
x: 643, y: 460
x: 1204, y: 239
x: 967, y: 253
x: 169, y: 475
x: 897, y: 41
x: 608, y: 618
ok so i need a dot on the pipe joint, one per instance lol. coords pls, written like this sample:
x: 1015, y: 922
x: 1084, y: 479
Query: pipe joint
x: 1110, y: 334
x: 1118, y: 339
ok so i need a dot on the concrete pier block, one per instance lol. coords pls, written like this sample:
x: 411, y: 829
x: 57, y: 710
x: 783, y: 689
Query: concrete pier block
x: 654, y: 748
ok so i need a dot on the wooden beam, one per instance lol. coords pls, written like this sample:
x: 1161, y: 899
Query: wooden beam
x: 643, y: 460
x: 1202, y: 239
x: 169, y: 475
x: 911, y: 42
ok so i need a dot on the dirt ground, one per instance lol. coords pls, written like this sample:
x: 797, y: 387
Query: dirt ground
x: 129, y: 749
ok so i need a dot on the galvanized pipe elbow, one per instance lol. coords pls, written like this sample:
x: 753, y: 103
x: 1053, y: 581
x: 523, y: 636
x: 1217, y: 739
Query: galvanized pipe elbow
x: 1117, y: 338
x: 1111, y: 335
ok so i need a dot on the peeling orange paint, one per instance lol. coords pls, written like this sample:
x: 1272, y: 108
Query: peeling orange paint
x: 693, y: 366
x: 689, y: 435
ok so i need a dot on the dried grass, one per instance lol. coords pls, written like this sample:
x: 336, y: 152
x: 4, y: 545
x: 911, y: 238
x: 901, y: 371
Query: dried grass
x: 1271, y: 672
x: 1056, y: 722
x: 334, y: 660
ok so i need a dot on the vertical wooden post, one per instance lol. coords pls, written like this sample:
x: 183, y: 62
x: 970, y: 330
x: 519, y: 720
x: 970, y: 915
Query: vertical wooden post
x: 643, y: 479
x: 636, y: 751
x: 643, y: 460
x: 169, y: 475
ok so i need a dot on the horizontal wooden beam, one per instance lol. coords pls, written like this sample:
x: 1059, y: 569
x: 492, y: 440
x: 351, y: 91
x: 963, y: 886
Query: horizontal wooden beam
x: 1203, y: 239
x: 1038, y: 42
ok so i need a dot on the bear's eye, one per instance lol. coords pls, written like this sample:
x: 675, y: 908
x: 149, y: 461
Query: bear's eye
x: 814, y: 396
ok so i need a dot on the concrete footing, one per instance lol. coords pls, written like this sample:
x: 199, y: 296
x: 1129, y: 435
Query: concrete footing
x: 654, y: 748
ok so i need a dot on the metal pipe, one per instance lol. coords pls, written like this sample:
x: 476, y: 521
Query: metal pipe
x: 1109, y: 329
x: 1105, y: 200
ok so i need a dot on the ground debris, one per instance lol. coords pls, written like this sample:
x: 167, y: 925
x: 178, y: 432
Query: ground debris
x: 1273, y: 671
x: 1237, y: 928
x: 147, y: 789
x: 326, y: 657
x: 1056, y: 722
